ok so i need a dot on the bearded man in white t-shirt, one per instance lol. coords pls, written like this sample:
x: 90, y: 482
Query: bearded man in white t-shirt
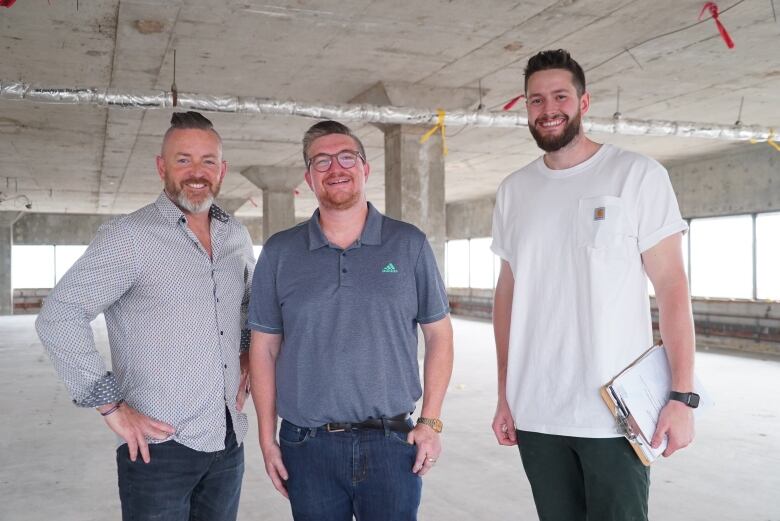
x: 578, y: 231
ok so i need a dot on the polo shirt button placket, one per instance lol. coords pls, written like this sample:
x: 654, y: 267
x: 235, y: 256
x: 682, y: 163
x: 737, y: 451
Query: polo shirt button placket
x: 343, y: 271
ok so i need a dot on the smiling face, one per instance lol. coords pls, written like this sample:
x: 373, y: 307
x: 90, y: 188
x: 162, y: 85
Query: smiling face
x: 337, y: 188
x: 554, y: 109
x: 192, y: 168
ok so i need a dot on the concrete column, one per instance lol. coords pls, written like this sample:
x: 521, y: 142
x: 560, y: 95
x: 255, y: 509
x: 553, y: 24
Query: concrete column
x: 231, y: 204
x: 7, y: 219
x: 414, y: 172
x: 414, y: 182
x: 278, y: 185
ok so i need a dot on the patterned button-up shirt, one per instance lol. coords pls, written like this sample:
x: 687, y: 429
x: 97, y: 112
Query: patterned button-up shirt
x: 176, y: 321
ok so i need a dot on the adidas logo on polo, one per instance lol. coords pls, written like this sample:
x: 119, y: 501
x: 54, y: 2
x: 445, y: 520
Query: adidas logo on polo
x: 390, y: 268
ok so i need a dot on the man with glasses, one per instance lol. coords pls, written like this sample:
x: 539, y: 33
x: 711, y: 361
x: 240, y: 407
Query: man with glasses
x: 578, y: 231
x: 172, y: 280
x: 335, y: 308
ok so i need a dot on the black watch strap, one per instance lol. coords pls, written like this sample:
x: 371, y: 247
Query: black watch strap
x: 689, y: 399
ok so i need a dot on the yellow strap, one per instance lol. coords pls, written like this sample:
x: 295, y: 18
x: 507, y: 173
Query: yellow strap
x: 772, y: 142
x: 769, y: 141
x: 438, y: 126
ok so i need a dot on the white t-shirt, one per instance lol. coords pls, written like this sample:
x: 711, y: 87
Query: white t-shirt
x: 580, y: 310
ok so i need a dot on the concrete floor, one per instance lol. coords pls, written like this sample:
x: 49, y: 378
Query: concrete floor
x: 56, y: 461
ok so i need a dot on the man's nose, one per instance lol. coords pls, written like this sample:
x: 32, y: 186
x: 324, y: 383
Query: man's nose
x: 199, y: 169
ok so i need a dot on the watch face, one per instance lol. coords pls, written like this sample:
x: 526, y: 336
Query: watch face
x: 693, y: 400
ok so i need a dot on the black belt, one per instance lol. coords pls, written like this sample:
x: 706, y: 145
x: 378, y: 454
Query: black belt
x: 396, y: 423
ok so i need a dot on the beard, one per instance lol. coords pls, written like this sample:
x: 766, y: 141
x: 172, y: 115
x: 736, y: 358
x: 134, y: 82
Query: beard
x: 179, y: 195
x: 554, y: 143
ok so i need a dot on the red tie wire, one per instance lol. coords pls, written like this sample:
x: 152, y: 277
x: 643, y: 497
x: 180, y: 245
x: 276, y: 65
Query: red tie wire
x: 713, y: 9
x: 511, y: 103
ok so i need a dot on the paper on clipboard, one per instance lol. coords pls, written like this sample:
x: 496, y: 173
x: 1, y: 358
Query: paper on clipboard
x: 637, y: 395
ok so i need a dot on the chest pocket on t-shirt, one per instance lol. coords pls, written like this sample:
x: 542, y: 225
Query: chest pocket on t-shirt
x: 601, y: 222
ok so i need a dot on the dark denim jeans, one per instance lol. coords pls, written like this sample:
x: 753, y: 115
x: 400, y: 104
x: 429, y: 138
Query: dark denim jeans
x: 366, y: 473
x: 181, y: 484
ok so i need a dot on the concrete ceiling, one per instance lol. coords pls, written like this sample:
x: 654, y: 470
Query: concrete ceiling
x: 87, y: 159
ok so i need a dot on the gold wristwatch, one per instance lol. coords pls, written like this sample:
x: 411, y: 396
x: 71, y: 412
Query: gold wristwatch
x: 433, y: 423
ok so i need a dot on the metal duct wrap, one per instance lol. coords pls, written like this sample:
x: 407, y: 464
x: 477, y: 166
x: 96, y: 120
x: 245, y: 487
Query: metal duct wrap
x: 151, y: 99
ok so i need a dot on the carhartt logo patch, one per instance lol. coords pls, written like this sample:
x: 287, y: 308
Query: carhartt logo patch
x: 599, y: 214
x: 390, y: 268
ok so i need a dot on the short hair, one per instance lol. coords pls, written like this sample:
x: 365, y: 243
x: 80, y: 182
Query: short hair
x: 557, y: 59
x: 326, y: 128
x: 190, y: 120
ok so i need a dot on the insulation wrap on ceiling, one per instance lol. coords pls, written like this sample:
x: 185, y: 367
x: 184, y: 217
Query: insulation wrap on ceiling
x: 154, y: 99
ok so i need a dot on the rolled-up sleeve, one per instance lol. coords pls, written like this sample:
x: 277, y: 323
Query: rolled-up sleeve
x: 657, y: 212
x: 99, y: 278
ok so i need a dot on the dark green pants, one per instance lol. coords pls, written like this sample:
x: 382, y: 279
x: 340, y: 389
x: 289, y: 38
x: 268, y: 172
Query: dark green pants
x: 584, y: 479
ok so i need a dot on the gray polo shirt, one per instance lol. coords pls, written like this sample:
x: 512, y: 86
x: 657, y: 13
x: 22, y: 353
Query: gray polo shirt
x: 348, y: 318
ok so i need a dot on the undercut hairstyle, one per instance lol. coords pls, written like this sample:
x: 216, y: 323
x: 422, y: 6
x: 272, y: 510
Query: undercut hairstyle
x: 557, y: 59
x: 190, y: 120
x: 326, y: 128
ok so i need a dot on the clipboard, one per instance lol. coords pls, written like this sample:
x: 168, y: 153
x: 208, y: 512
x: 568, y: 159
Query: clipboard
x: 636, y: 395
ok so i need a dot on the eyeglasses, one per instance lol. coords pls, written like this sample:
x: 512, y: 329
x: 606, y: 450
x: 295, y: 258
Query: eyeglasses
x: 345, y: 158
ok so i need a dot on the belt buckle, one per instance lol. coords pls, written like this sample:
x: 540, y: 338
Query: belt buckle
x: 331, y: 429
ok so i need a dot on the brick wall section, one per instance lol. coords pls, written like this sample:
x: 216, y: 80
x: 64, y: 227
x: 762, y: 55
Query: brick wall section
x: 28, y: 301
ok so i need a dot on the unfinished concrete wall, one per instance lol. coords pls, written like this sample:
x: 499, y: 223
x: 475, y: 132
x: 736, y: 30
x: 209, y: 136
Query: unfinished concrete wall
x: 72, y: 229
x: 468, y: 219
x: 746, y: 180
x: 57, y: 228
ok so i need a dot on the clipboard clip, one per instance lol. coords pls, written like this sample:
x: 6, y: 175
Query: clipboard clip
x: 621, y: 416
x: 625, y: 426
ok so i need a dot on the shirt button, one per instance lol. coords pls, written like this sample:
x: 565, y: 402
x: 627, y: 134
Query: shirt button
x: 221, y: 333
x: 344, y: 254
x: 343, y: 270
x: 217, y: 300
x: 225, y: 366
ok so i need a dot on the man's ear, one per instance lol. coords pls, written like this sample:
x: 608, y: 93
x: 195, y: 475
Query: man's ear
x: 307, y: 177
x: 160, y: 167
x: 223, y: 171
x: 585, y: 103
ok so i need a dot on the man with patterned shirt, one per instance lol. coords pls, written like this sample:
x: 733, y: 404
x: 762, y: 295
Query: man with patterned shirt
x: 336, y: 303
x: 173, y: 281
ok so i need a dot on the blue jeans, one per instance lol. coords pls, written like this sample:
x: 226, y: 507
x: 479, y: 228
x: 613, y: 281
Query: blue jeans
x: 363, y: 472
x: 181, y: 484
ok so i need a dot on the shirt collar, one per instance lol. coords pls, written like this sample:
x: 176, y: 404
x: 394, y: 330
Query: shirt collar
x: 173, y: 213
x: 371, y: 234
